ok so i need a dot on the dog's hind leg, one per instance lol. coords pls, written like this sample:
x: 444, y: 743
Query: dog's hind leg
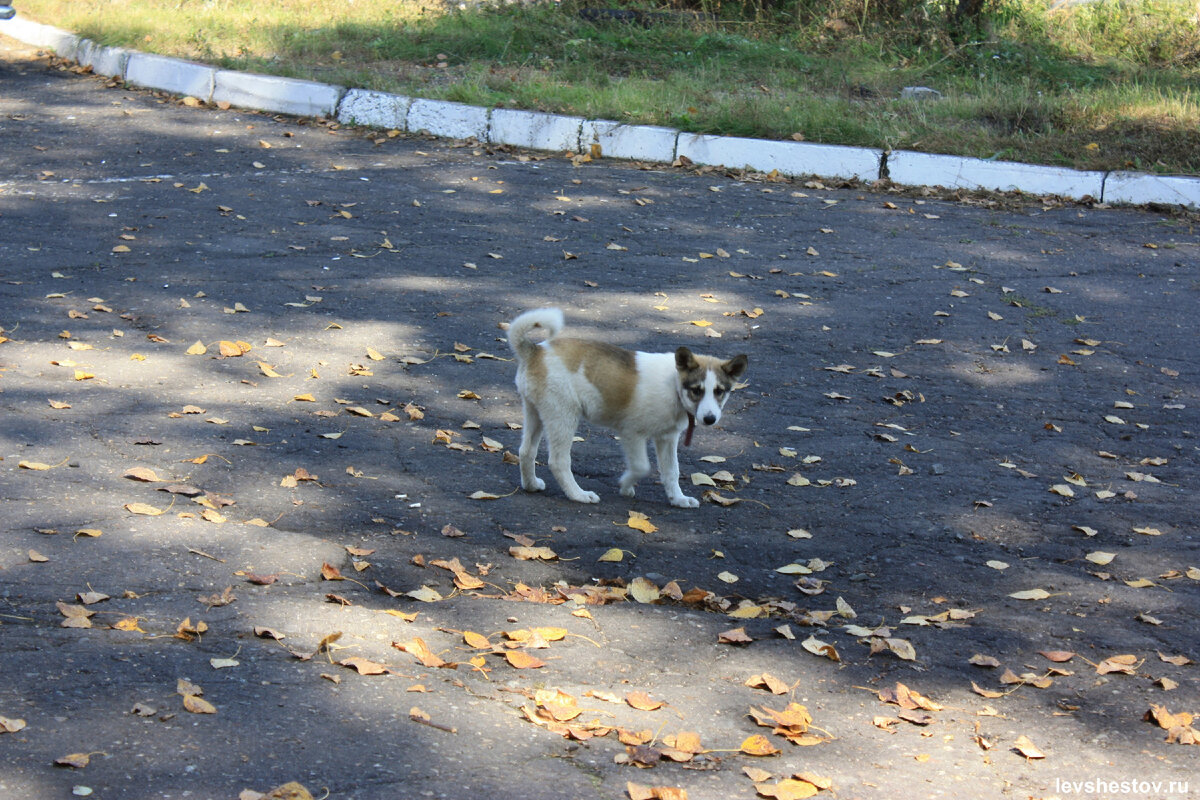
x: 531, y: 439
x: 560, y: 431
x: 666, y: 450
x: 637, y: 463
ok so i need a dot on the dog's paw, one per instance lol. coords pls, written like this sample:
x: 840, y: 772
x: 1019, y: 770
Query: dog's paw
x: 628, y: 491
x: 683, y: 501
x: 586, y: 497
x: 538, y: 485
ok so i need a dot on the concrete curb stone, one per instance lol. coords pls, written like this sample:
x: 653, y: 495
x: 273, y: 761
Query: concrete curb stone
x: 171, y: 75
x: 107, y: 61
x: 956, y: 172
x: 617, y: 140
x: 63, y: 43
x: 272, y: 93
x: 638, y: 142
x: 374, y: 109
x: 790, y: 158
x: 534, y: 130
x: 1137, y: 188
x: 448, y: 120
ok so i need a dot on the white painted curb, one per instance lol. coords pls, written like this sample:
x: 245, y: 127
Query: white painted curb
x: 617, y: 140
x: 956, y: 172
x: 1136, y: 188
x: 449, y: 120
x: 534, y: 130
x: 789, y: 158
x: 271, y: 93
x: 374, y: 109
x: 39, y: 35
x: 106, y: 61
x: 637, y: 142
x: 170, y: 75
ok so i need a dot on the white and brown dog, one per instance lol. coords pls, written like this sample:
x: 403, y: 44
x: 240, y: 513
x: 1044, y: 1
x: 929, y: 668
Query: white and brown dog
x: 642, y: 396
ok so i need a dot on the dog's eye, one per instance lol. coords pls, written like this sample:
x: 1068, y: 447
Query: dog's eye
x: 695, y: 391
x: 718, y: 391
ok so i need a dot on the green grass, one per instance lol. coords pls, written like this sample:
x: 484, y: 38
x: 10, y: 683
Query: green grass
x: 1110, y: 85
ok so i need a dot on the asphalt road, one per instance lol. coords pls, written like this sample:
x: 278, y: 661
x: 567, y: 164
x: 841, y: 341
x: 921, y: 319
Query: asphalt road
x: 252, y: 371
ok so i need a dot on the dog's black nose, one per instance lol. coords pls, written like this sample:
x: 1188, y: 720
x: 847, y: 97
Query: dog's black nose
x: 710, y: 419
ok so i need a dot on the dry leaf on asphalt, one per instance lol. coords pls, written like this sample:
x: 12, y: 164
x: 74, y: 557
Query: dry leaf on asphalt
x: 640, y: 522
x: 981, y: 660
x: 364, y: 666
x: 522, y: 553
x: 74, y: 760
x: 9, y: 725
x: 418, y: 649
x: 637, y: 791
x: 1126, y: 664
x: 758, y: 745
x: 1179, y: 726
x: 643, y: 701
x: 734, y: 636
x: 767, y: 681
x: 198, y: 705
x: 1030, y: 594
x: 787, y: 789
x: 818, y: 648
x: 904, y: 697
x: 144, y: 474
x: 1025, y: 746
x: 144, y: 509
x: 522, y: 660
x: 792, y: 723
x: 643, y: 591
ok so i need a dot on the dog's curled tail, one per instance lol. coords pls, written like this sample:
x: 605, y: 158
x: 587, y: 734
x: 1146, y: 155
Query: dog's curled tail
x: 549, y: 319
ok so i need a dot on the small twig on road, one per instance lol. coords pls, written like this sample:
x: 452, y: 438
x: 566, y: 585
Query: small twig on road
x: 206, y: 555
x: 416, y: 717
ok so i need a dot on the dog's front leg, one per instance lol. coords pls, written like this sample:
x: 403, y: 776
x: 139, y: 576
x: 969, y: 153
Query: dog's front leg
x: 666, y: 448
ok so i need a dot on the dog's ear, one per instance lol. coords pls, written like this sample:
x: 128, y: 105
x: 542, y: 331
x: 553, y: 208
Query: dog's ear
x: 684, y: 360
x: 735, y: 366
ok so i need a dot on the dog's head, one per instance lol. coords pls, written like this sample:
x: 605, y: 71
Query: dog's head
x: 705, y: 383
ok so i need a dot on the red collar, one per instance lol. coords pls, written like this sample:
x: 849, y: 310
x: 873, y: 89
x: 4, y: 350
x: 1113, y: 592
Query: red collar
x: 691, y: 428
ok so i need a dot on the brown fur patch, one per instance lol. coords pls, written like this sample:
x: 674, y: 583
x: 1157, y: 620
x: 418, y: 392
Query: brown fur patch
x: 699, y: 367
x: 735, y: 367
x: 535, y: 366
x: 611, y: 369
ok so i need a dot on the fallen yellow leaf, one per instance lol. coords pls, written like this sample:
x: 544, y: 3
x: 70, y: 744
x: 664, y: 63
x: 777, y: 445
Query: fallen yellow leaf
x: 640, y: 522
